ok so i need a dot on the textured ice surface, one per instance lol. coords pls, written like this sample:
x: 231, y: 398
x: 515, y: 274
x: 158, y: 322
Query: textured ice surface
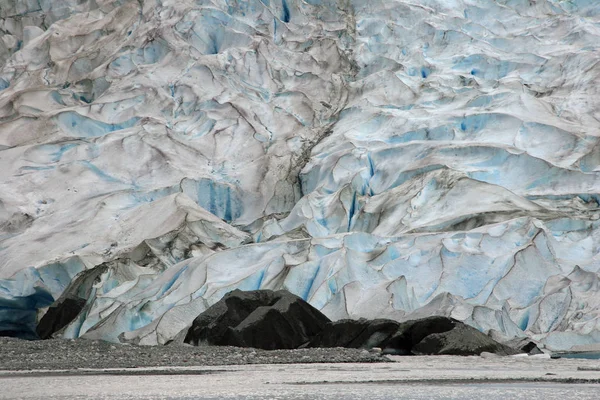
x: 380, y: 158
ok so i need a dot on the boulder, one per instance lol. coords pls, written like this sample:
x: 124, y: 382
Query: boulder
x: 433, y: 335
x: 271, y: 320
x: 411, y: 333
x: 261, y: 319
x: 59, y: 315
x: 461, y: 340
x: 351, y: 333
x: 70, y: 304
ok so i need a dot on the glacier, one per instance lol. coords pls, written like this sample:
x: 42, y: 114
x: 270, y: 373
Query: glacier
x: 380, y: 158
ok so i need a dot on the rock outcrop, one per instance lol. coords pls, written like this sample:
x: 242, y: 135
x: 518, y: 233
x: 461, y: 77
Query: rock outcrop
x: 361, y: 333
x: 460, y: 340
x: 432, y: 336
x: 262, y: 319
x: 280, y: 320
x: 59, y: 315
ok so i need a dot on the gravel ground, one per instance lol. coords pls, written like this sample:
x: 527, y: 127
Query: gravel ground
x: 416, y: 378
x: 16, y: 354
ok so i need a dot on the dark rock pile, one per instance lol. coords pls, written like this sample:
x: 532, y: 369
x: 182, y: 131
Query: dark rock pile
x: 268, y: 320
x: 433, y: 336
x: 280, y: 320
x: 262, y: 319
x: 59, y: 315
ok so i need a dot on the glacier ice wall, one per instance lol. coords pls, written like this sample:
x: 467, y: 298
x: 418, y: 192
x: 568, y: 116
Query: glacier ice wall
x: 380, y: 158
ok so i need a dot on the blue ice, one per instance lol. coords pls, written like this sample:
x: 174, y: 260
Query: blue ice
x: 79, y: 126
x: 4, y: 84
x: 220, y: 199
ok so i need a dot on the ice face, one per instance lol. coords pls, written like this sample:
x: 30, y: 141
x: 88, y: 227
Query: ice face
x: 378, y: 158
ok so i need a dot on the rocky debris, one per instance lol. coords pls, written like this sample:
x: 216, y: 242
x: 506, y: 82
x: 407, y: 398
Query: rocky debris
x: 460, y: 340
x: 279, y: 320
x: 357, y: 334
x: 17, y: 354
x: 70, y: 304
x: 524, y: 345
x: 431, y: 336
x: 59, y: 315
x: 261, y: 319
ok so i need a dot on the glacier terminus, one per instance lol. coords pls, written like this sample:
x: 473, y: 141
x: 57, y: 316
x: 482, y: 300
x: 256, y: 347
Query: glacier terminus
x: 382, y: 158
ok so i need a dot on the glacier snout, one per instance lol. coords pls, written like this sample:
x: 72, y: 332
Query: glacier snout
x: 381, y: 158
